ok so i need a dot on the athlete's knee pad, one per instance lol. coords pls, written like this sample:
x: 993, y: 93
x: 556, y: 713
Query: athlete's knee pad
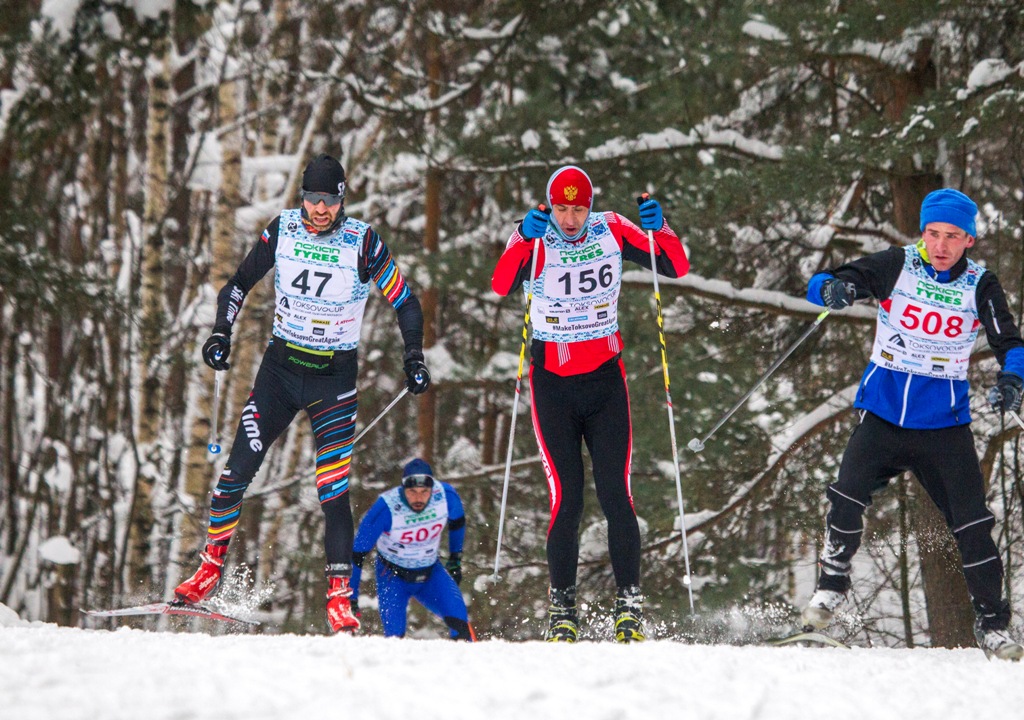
x: 461, y: 629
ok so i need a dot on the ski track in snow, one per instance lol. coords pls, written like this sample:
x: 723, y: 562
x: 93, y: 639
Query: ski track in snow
x: 55, y: 673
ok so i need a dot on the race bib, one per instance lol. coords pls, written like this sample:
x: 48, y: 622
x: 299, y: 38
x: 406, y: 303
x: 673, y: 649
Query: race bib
x: 925, y: 327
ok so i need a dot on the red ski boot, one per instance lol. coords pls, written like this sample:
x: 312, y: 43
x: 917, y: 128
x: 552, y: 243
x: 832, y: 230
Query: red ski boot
x: 201, y: 585
x: 339, y: 608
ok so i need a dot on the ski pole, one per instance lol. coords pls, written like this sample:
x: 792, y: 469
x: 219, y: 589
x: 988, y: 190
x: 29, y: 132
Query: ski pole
x: 382, y: 413
x: 698, y: 445
x: 515, y: 404
x: 671, y: 413
x: 214, y: 444
x: 1016, y: 417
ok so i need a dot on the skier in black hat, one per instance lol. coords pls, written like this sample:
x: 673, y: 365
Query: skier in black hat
x: 325, y: 263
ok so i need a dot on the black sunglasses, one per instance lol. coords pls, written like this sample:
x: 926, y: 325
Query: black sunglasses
x: 412, y: 481
x: 329, y: 199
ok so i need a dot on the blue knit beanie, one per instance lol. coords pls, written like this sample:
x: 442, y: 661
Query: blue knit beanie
x: 949, y: 206
x: 417, y: 467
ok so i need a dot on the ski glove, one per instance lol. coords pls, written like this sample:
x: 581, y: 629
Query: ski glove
x: 417, y: 378
x: 1006, y: 395
x: 838, y: 294
x: 216, y: 350
x: 651, y: 217
x: 454, y: 567
x: 353, y: 602
x: 534, y: 225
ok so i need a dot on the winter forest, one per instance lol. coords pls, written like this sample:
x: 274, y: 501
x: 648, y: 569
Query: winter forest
x: 144, y: 145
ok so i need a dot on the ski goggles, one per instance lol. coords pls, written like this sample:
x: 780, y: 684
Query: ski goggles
x: 328, y: 199
x: 415, y: 481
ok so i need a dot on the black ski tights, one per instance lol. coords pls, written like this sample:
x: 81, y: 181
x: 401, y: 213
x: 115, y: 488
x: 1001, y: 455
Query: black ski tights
x: 568, y: 411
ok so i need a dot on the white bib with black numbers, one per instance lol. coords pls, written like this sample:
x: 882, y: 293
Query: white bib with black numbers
x: 320, y: 300
x: 415, y: 537
x: 576, y: 295
x: 927, y: 327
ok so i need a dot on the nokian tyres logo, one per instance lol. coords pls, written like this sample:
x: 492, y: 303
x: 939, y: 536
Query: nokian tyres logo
x: 587, y: 252
x: 313, y: 251
x: 939, y: 293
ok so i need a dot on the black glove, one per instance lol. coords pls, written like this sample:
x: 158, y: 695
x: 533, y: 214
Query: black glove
x: 1006, y: 395
x: 838, y: 294
x: 454, y: 567
x: 217, y: 348
x: 417, y: 379
x: 353, y: 602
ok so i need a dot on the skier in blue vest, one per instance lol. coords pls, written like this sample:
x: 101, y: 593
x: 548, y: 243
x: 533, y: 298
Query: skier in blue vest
x: 325, y: 263
x: 915, y: 410
x: 405, y: 525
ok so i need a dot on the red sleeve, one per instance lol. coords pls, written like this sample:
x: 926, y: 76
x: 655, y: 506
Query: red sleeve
x: 513, y: 265
x: 668, y: 248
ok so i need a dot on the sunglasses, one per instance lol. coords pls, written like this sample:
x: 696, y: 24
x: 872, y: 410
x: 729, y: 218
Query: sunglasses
x: 413, y: 481
x: 329, y: 199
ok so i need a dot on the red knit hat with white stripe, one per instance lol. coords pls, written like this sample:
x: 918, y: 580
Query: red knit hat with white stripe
x: 569, y: 185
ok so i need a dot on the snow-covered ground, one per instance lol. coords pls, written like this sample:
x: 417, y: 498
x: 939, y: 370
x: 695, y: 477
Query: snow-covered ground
x: 50, y: 673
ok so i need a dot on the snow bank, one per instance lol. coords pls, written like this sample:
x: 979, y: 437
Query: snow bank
x: 60, y: 674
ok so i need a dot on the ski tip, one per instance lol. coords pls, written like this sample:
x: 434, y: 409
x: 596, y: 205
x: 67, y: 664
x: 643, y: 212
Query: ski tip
x: 807, y: 638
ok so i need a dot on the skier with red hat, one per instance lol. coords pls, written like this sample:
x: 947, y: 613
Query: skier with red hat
x: 578, y: 380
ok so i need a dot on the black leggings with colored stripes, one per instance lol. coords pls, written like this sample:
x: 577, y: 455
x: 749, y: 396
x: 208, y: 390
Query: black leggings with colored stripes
x: 568, y: 411
x: 283, y: 388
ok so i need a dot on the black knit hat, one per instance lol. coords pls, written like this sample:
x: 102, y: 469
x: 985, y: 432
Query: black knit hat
x: 324, y: 174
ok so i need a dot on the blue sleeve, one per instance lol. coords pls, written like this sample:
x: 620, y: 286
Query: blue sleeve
x: 814, y: 287
x: 1015, y: 362
x: 376, y: 521
x: 456, y: 517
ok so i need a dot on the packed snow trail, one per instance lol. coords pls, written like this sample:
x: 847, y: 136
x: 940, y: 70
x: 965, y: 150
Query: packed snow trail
x: 53, y: 673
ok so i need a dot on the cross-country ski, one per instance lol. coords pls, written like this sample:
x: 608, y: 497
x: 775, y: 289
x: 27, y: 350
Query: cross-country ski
x: 171, y: 608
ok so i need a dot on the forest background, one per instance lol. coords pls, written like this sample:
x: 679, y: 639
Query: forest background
x: 144, y: 144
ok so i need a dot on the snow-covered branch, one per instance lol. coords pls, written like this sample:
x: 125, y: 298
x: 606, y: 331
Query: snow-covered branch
x: 784, y: 443
x: 771, y: 300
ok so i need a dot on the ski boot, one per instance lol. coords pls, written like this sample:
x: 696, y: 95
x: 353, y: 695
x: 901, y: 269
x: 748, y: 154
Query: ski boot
x: 990, y: 632
x: 339, y: 608
x: 821, y: 608
x: 206, y: 579
x: 629, y: 615
x: 563, y: 621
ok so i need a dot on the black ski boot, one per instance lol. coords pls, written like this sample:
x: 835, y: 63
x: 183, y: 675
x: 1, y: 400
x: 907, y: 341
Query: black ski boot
x: 563, y: 622
x: 629, y: 615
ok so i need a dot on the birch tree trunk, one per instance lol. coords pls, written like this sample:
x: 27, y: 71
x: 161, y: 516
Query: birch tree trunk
x: 153, y: 315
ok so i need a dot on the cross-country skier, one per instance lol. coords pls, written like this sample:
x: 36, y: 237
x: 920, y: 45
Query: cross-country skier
x: 405, y: 525
x: 914, y: 401
x: 325, y: 263
x: 578, y: 381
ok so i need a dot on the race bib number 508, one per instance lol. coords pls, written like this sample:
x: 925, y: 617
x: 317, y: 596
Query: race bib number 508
x: 927, y: 321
